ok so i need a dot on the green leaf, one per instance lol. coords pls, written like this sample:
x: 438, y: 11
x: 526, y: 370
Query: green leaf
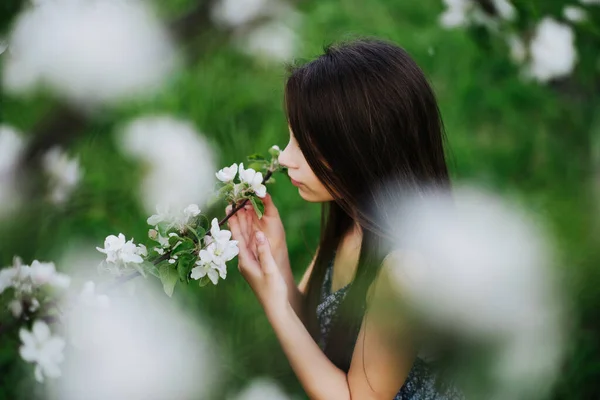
x: 259, y: 165
x: 256, y: 157
x: 186, y: 245
x: 203, y: 281
x: 258, y: 205
x: 162, y: 228
x: 169, y: 277
x: 185, y: 265
x: 201, y: 232
x: 270, y: 181
x: 225, y: 190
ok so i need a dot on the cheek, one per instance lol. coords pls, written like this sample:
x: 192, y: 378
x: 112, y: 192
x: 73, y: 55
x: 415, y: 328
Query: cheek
x: 315, y: 191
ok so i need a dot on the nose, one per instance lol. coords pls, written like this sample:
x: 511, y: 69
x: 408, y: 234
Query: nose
x: 285, y: 157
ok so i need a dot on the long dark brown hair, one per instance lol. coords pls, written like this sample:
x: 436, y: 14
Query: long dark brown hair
x: 367, y: 122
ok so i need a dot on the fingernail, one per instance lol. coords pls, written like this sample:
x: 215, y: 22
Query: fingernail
x: 260, y: 237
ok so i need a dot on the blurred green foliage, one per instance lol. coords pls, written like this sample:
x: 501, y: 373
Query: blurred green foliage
x: 532, y: 143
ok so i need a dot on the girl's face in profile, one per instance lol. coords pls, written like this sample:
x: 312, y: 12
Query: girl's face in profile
x: 309, y: 186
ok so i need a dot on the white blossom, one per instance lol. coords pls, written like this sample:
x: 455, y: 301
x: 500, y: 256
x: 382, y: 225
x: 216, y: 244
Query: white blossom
x: 173, y: 219
x: 119, y: 50
x: 553, y: 53
x: 468, y: 12
x: 211, y: 270
x: 472, y: 266
x: 253, y: 179
x: 120, y: 252
x: 455, y: 14
x: 191, y: 211
x: 262, y: 389
x: 179, y: 161
x: 64, y: 174
x: 44, y: 273
x: 43, y: 349
x: 219, y: 252
x: 239, y: 12
x: 574, y: 14
x: 505, y: 9
x: 90, y: 299
x: 16, y: 308
x: 275, y: 41
x: 227, y: 174
x: 24, y: 279
x: 590, y: 1
x: 143, y: 347
x: 218, y: 234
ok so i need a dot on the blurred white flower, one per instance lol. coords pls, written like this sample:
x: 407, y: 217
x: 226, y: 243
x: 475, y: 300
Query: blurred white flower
x: 468, y: 12
x: 173, y: 219
x: 553, y: 53
x: 275, y: 40
x: 144, y: 348
x: 262, y: 389
x: 253, y: 179
x: 42, y: 348
x: 227, y: 174
x: 88, y: 51
x: 574, y: 14
x: 455, y: 14
x: 64, y: 174
x: 11, y: 150
x: 120, y: 253
x: 90, y: 299
x: 239, y: 12
x: 590, y: 1
x: 178, y: 158
x: 16, y: 308
x: 24, y: 279
x: 470, y: 265
x: 44, y: 273
x: 505, y: 9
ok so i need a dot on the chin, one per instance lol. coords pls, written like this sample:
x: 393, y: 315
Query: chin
x: 312, y: 197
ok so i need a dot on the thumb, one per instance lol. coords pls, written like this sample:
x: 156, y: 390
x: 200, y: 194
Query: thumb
x: 267, y: 262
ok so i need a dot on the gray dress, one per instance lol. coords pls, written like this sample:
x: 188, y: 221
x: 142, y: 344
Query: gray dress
x: 420, y: 384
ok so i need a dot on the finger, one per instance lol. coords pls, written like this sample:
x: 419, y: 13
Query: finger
x: 267, y: 262
x: 234, y: 227
x: 241, y: 216
x: 251, y: 228
x: 247, y: 262
x: 227, y: 212
x: 270, y: 209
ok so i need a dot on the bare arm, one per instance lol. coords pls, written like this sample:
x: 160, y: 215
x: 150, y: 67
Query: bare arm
x: 381, y: 360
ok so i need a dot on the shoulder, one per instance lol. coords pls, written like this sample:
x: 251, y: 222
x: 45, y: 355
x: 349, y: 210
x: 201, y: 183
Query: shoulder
x: 388, y: 294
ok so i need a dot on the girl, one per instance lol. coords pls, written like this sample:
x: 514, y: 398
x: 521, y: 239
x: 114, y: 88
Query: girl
x: 363, y: 121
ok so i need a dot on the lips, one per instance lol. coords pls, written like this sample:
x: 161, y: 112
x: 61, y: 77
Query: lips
x: 295, y: 182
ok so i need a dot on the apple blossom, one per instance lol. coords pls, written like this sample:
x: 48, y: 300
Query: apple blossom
x: 253, y: 179
x: 42, y: 348
x: 227, y: 174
